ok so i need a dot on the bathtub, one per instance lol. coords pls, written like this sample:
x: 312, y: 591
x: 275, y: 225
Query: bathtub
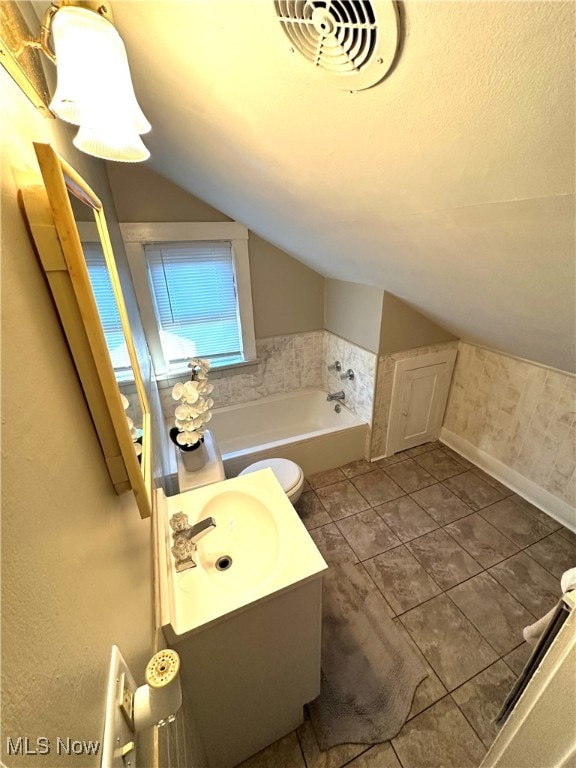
x: 301, y: 426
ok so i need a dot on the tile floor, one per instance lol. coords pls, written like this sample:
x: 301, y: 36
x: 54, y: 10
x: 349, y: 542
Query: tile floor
x: 464, y: 565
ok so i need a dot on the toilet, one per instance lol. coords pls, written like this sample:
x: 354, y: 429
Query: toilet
x: 288, y: 474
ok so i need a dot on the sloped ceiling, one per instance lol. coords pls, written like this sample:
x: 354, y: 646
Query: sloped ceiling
x: 449, y: 184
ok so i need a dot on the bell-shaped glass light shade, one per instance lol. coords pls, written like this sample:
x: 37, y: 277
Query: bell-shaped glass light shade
x: 94, y: 86
x: 113, y: 143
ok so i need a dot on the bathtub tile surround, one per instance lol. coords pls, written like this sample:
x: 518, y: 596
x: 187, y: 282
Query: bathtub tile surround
x: 359, y: 391
x: 462, y: 592
x: 284, y: 364
x: 512, y: 414
x: 383, y: 394
x: 292, y: 362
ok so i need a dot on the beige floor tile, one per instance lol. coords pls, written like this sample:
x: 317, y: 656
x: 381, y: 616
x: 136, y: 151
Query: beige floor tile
x: 453, y: 647
x: 368, y: 534
x: 377, y: 487
x: 401, y: 579
x: 493, y: 482
x: 440, y: 737
x: 440, y: 464
x: 480, y: 699
x: 546, y: 520
x: 517, y: 523
x: 567, y: 534
x: 498, y: 616
x: 341, y: 499
x: 528, y: 582
x: 517, y: 658
x: 409, y: 475
x: 327, y: 477
x: 406, y: 518
x: 484, y: 542
x: 311, y: 510
x: 444, y: 559
x: 555, y: 553
x: 332, y: 545
x: 473, y: 491
x: 378, y: 756
x: 360, y: 467
x: 285, y: 753
x: 430, y: 689
x: 331, y: 758
x: 441, y: 504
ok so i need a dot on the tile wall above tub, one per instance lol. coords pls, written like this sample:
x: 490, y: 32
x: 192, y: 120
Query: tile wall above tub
x: 359, y: 391
x: 284, y: 364
x: 289, y: 363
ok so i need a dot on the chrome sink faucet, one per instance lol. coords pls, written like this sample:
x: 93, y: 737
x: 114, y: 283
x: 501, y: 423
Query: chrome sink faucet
x: 336, y: 396
x: 185, y: 538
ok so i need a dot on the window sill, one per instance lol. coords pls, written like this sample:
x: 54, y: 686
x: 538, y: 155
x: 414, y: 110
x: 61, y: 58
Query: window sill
x: 167, y: 380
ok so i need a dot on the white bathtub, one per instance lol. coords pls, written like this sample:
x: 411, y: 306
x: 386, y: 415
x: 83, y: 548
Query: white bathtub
x: 301, y: 426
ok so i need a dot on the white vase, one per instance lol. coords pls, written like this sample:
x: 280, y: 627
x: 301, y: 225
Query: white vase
x: 194, y: 460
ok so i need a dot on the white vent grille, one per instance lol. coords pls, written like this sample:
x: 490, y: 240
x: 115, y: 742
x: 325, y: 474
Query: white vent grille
x: 353, y: 42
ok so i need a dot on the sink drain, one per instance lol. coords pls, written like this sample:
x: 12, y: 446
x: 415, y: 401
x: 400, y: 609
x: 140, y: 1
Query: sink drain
x: 223, y: 563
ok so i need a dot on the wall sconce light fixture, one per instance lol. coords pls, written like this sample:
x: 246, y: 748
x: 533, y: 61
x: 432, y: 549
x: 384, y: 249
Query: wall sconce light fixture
x: 94, y: 88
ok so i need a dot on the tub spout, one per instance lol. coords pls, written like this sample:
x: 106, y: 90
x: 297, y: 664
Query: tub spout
x: 336, y: 396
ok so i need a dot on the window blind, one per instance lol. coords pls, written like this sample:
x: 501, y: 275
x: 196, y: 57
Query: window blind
x: 195, y: 299
x: 107, y: 309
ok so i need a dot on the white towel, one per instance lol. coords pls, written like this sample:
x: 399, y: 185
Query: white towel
x: 534, y: 632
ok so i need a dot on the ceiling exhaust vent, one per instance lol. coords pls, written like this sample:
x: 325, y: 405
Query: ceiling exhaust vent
x: 351, y: 42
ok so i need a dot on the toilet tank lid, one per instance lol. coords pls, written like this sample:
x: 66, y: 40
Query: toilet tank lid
x: 287, y: 472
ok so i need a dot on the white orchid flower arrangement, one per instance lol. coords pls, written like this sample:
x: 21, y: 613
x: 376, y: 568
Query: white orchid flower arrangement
x: 131, y: 427
x: 194, y: 410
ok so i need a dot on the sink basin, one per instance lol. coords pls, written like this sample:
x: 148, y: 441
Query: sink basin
x: 242, y: 550
x: 259, y: 549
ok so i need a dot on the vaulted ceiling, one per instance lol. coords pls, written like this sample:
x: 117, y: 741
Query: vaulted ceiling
x: 450, y: 183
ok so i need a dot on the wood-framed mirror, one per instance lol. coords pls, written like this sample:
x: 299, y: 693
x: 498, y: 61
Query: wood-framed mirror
x: 55, y: 233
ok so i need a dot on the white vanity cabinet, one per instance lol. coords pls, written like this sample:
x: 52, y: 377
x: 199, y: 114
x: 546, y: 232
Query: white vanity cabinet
x: 248, y: 637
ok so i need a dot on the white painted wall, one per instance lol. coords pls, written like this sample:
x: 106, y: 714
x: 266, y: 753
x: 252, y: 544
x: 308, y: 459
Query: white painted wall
x: 76, y: 558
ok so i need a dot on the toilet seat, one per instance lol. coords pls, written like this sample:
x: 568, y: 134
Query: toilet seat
x: 288, y: 473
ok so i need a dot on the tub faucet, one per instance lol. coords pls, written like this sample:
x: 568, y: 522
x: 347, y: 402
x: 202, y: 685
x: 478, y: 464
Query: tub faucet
x: 185, y: 538
x: 336, y: 396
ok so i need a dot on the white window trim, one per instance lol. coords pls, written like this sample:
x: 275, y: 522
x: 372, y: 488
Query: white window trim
x: 137, y: 235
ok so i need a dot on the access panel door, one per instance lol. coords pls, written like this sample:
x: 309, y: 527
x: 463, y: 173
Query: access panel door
x: 418, y: 401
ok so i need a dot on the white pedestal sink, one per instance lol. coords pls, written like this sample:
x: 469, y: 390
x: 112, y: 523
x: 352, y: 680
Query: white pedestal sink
x: 248, y: 636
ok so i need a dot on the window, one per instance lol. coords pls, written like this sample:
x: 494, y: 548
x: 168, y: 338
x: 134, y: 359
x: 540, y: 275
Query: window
x: 194, y: 294
x: 107, y: 309
x: 193, y: 287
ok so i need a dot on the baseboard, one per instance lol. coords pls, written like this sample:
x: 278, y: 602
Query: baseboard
x: 557, y: 508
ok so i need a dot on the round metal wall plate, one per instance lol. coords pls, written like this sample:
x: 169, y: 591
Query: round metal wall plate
x: 351, y: 43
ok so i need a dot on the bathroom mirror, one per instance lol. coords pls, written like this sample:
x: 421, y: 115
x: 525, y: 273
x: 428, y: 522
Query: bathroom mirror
x: 55, y: 232
x: 108, y: 310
